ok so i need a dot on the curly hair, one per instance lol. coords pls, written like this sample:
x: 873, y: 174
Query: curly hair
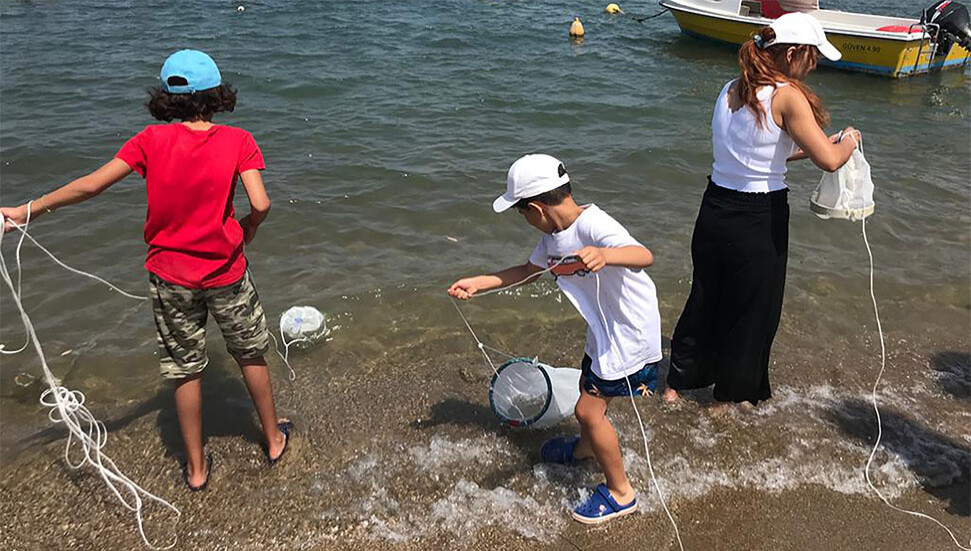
x: 201, y: 105
x: 764, y: 67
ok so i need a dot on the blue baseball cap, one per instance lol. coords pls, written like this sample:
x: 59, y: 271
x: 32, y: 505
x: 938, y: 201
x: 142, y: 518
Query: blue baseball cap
x: 197, y: 68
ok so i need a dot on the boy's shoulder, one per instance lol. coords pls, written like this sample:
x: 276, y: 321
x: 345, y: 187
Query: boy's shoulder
x: 595, y: 216
x: 599, y: 227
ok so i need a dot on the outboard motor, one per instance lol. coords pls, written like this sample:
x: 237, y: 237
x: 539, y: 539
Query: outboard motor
x: 952, y: 23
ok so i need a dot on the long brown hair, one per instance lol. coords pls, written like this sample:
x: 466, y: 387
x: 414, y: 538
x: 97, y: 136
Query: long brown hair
x: 762, y: 67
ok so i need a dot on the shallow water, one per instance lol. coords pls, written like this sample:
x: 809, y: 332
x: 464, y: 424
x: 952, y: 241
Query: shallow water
x: 387, y: 129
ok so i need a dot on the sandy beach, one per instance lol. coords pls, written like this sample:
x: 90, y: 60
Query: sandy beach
x: 426, y: 465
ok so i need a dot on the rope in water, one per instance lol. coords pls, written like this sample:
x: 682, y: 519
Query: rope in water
x: 481, y: 345
x: 876, y: 410
x: 649, y: 17
x: 482, y: 348
x: 285, y: 355
x: 67, y: 406
x: 647, y: 451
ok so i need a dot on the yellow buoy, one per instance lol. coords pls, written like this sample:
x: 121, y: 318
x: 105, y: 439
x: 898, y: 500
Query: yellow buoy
x: 576, y: 28
x: 613, y: 9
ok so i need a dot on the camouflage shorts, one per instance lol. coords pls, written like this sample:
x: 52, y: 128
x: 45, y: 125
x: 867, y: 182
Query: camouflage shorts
x: 180, y: 319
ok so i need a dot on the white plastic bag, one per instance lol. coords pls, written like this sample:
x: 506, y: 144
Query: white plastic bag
x: 846, y: 193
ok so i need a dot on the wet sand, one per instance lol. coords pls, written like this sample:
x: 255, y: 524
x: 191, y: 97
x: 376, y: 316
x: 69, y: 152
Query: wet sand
x: 388, y: 457
x: 47, y: 507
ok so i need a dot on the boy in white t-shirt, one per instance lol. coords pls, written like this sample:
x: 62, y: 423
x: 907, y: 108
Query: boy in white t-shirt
x: 600, y: 268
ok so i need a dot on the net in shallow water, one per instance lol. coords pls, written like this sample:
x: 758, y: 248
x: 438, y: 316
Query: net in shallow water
x: 527, y: 393
x: 303, y: 324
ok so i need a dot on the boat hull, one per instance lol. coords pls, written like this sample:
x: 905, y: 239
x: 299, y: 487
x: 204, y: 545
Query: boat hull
x: 893, y: 58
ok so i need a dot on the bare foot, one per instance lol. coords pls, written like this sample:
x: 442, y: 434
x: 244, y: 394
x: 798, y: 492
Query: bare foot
x: 746, y: 407
x: 719, y: 409
x: 670, y: 395
x: 198, y: 478
x: 276, y: 442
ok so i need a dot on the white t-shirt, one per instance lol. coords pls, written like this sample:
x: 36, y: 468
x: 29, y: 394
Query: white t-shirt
x: 632, y: 336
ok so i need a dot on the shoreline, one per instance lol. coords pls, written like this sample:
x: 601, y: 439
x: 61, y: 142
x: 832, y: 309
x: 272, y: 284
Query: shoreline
x: 385, y: 458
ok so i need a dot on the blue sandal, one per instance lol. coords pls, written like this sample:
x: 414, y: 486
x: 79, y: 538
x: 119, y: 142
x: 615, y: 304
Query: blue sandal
x: 560, y: 450
x: 601, y: 507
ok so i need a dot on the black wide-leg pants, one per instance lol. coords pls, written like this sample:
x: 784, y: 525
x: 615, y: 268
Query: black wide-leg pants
x: 724, y: 335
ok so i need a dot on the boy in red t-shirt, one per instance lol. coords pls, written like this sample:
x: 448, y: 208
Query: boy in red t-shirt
x: 195, y: 245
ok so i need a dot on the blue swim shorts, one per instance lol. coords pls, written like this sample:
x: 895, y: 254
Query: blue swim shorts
x: 643, y: 382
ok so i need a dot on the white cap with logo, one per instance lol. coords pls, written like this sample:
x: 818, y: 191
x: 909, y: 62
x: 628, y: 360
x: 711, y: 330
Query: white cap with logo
x: 530, y: 176
x: 802, y: 28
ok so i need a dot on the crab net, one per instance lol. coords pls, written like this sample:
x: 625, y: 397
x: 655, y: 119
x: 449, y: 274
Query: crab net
x: 846, y: 193
x: 304, y: 324
x: 527, y: 393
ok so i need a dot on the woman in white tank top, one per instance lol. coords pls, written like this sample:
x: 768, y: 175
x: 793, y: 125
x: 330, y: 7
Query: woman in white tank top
x: 739, y: 249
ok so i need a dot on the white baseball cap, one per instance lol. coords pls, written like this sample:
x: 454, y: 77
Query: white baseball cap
x: 802, y: 28
x: 530, y: 176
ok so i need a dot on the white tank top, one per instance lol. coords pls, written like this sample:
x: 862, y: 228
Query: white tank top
x: 748, y: 158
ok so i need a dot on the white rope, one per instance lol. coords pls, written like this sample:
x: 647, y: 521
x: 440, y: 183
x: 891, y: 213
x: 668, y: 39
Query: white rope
x: 521, y: 281
x: 482, y: 346
x: 23, y: 229
x: 876, y: 410
x: 647, y: 451
x: 285, y: 355
x: 67, y: 407
x: 479, y: 344
x: 20, y: 244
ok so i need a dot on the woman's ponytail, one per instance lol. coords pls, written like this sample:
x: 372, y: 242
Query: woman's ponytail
x: 760, y: 67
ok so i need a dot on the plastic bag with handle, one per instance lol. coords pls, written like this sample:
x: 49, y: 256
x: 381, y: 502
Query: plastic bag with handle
x: 846, y: 193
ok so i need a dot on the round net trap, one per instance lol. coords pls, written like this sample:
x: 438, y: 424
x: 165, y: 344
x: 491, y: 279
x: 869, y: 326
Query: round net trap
x: 526, y: 393
x: 846, y: 193
x: 303, y: 324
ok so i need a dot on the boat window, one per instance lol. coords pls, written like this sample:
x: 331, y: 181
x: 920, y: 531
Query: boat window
x: 773, y: 9
x: 751, y: 8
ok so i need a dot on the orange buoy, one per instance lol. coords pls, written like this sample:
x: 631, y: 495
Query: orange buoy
x: 576, y: 28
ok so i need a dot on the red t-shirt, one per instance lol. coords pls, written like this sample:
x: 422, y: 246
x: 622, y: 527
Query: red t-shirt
x: 190, y: 176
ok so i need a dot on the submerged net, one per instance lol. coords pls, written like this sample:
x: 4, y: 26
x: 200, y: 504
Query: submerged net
x: 301, y: 326
x: 303, y: 323
x: 520, y: 392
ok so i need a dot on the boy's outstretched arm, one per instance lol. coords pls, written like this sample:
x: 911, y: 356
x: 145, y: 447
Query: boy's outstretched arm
x: 259, y: 203
x: 79, y: 190
x: 465, y: 288
x: 634, y: 257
